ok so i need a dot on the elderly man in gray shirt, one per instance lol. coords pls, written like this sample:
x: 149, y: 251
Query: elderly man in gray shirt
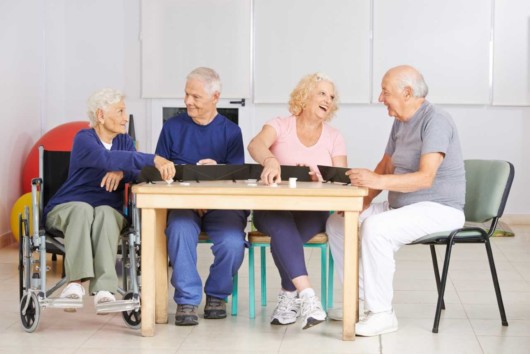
x: 423, y: 171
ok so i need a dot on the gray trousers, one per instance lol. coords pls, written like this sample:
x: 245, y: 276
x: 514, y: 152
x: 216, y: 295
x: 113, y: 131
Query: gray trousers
x: 91, y: 237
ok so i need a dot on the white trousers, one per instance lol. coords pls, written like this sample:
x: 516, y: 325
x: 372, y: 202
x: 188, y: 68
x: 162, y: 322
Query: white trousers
x: 383, y: 231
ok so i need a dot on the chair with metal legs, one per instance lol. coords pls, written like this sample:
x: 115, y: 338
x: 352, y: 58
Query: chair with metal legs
x: 257, y: 239
x: 488, y: 184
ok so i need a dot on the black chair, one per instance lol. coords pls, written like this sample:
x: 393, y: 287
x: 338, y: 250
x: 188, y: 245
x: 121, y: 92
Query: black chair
x: 33, y: 291
x: 488, y: 184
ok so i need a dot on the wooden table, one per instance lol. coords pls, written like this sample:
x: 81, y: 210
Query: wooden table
x: 155, y: 199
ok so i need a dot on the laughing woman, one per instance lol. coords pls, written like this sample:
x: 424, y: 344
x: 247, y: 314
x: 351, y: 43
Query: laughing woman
x: 304, y: 138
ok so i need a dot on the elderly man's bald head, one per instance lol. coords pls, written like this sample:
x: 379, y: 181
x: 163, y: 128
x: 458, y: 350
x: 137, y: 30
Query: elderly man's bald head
x: 407, y: 76
x: 403, y: 91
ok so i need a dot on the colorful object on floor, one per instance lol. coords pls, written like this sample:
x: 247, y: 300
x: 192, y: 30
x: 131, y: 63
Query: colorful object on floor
x: 18, y: 208
x: 503, y: 233
x: 60, y: 138
x: 502, y: 230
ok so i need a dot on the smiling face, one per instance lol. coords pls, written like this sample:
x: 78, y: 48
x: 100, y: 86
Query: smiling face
x: 201, y: 106
x: 321, y: 102
x: 393, y: 97
x: 112, y: 120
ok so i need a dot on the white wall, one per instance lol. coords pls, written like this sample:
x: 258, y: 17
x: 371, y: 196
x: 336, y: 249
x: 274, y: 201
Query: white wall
x: 21, y: 80
x: 85, y: 50
x: 56, y: 52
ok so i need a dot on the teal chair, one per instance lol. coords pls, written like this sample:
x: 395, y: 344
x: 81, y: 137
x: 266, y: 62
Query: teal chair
x: 488, y: 184
x: 203, y: 238
x: 257, y: 239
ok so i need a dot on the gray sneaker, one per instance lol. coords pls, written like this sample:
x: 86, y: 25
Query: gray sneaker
x: 287, y: 310
x: 215, y: 308
x: 186, y: 315
x: 311, y: 311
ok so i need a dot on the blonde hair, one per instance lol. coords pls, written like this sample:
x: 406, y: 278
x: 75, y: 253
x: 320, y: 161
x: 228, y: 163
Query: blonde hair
x: 102, y: 99
x: 300, y: 94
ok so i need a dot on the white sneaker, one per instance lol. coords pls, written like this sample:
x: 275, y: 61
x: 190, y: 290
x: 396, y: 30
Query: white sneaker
x: 103, y: 296
x: 287, y: 310
x: 312, y: 311
x: 377, y: 323
x: 336, y: 314
x: 73, y: 291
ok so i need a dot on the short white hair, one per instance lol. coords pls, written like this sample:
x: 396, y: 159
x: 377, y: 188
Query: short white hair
x: 102, y: 99
x: 208, y: 76
x: 413, y: 79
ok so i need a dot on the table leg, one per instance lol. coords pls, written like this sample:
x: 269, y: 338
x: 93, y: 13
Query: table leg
x: 161, y: 280
x: 351, y: 274
x: 148, y: 272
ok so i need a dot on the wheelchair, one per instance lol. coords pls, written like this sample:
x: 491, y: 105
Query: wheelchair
x: 35, y: 294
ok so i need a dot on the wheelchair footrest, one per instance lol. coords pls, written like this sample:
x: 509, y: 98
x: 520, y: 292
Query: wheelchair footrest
x: 118, y: 306
x: 62, y: 303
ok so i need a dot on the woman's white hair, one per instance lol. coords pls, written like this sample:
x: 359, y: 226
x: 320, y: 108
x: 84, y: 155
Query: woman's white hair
x: 102, y: 99
x: 210, y: 78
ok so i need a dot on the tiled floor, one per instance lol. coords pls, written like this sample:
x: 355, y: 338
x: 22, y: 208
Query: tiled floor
x: 471, y: 323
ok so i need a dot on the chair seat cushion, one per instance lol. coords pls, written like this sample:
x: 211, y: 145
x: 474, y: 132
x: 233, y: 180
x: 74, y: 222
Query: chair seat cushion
x: 258, y: 237
x: 442, y: 237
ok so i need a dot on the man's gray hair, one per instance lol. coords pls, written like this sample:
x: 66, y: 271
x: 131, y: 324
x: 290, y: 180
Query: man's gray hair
x: 102, y: 99
x: 413, y: 79
x: 210, y: 78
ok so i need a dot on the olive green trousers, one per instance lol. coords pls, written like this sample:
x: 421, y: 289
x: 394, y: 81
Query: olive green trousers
x: 91, y: 237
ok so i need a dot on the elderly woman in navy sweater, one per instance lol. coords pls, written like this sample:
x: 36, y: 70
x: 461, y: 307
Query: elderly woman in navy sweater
x: 87, y: 208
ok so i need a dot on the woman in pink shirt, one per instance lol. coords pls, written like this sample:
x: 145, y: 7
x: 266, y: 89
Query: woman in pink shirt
x: 304, y: 138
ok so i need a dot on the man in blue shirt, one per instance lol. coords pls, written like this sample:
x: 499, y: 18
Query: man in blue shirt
x: 204, y: 137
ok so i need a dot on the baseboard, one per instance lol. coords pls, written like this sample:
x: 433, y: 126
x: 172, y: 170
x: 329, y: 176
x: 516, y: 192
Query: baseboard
x: 516, y: 219
x: 6, y: 239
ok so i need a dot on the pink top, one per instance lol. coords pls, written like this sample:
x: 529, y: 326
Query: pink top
x: 289, y: 150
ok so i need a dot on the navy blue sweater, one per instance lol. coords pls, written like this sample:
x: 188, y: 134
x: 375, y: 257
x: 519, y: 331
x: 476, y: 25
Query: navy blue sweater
x: 90, y: 161
x: 185, y: 142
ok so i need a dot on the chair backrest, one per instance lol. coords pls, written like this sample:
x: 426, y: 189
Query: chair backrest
x: 488, y: 184
x: 53, y: 170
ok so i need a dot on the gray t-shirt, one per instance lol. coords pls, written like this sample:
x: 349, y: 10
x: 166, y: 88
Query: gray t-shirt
x: 429, y: 130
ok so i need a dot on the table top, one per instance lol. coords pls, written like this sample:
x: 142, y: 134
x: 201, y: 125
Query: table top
x: 247, y: 195
x: 250, y: 187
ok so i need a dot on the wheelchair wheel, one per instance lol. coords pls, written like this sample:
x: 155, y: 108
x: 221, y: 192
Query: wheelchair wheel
x: 132, y: 318
x: 30, y: 319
